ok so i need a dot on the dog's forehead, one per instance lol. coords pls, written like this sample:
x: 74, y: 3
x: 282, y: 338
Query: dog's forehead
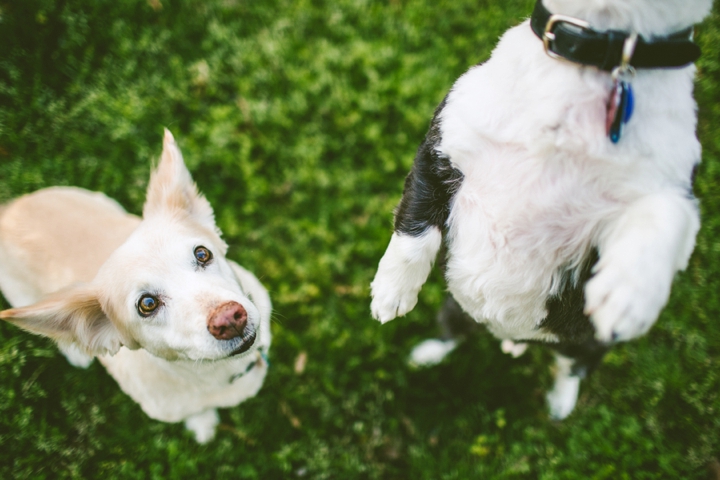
x: 162, y: 237
x: 153, y: 246
x: 156, y: 250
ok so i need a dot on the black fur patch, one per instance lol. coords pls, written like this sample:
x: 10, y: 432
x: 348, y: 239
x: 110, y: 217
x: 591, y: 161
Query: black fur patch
x: 587, y: 355
x: 565, y: 316
x: 429, y: 187
x: 573, y: 328
x: 692, y: 191
x: 454, y: 323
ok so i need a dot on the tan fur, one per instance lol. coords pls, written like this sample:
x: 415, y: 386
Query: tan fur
x: 164, y: 198
x: 68, y: 316
x: 74, y: 265
x: 56, y: 237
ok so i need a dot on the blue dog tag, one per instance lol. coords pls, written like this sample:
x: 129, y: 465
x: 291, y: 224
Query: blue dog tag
x: 619, y: 109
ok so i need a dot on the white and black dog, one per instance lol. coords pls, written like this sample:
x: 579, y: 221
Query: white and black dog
x: 566, y: 212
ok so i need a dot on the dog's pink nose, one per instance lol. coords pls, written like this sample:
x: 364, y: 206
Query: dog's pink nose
x: 227, y: 321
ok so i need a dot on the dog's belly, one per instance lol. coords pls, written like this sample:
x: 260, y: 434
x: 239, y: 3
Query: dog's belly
x: 513, y: 237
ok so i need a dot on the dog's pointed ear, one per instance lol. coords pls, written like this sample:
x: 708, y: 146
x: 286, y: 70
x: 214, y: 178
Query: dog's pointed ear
x: 172, y: 188
x: 73, y: 315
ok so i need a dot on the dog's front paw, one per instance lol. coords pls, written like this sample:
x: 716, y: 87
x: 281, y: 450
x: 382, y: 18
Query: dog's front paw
x: 623, y: 303
x: 390, y: 301
x: 203, y: 425
x: 563, y: 397
x: 402, y: 272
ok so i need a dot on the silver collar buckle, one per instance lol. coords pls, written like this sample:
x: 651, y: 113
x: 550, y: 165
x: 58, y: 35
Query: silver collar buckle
x: 549, y: 34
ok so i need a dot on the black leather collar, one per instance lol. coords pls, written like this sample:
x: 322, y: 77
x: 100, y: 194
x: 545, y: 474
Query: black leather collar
x: 604, y: 49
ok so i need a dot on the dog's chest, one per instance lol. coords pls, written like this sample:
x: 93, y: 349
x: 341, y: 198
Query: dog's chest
x: 540, y: 178
x: 512, y: 230
x: 172, y: 391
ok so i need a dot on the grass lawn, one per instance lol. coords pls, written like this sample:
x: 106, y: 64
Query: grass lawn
x: 299, y: 120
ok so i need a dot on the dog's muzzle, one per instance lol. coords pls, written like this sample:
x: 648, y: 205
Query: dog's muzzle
x: 246, y: 344
x: 229, y: 321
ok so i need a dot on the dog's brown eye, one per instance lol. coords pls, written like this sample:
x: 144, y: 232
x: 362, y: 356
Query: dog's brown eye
x: 203, y: 255
x: 147, y: 305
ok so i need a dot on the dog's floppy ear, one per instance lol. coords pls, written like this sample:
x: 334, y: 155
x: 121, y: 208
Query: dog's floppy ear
x: 172, y: 188
x: 70, y: 316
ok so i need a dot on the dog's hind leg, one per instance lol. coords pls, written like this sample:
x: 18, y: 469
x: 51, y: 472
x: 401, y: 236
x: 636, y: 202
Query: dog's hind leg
x: 578, y: 352
x: 563, y: 397
x: 454, y: 325
x: 419, y: 220
x: 573, y: 363
x: 514, y: 349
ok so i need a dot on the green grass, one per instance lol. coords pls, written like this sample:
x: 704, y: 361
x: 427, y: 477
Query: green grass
x: 299, y: 120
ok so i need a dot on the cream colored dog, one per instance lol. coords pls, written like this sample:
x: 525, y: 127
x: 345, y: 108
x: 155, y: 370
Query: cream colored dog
x: 182, y: 329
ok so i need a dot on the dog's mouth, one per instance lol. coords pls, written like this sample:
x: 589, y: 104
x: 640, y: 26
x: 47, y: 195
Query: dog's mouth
x: 248, y: 341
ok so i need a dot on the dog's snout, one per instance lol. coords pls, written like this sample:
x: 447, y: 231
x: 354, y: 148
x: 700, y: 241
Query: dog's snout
x: 227, y: 321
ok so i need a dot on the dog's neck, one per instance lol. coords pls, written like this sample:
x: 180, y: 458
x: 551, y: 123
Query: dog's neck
x: 582, y: 42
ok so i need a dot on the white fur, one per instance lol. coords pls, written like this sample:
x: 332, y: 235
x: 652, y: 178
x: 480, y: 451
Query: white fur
x: 401, y: 273
x: 203, y: 425
x: 75, y: 356
x: 96, y: 261
x: 563, y: 397
x: 514, y: 349
x: 431, y: 352
x: 542, y: 181
x: 638, y: 259
x: 542, y: 185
